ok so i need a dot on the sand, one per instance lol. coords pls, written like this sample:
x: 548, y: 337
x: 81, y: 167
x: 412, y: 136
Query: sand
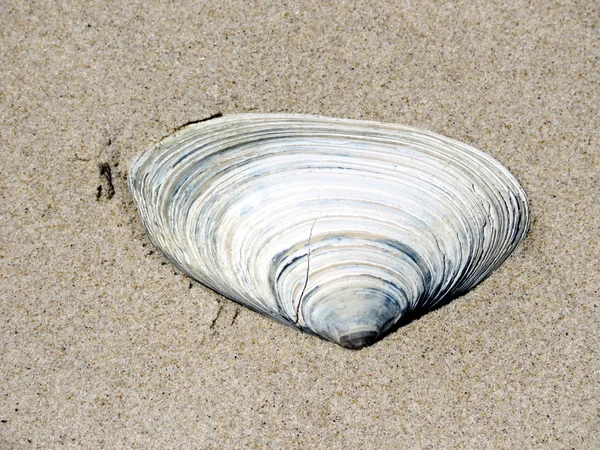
x: 105, y: 345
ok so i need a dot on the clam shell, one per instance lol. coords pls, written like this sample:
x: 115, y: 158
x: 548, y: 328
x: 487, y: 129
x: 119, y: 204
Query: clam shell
x: 340, y: 228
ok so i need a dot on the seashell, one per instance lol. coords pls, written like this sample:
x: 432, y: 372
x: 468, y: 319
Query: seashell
x: 340, y: 228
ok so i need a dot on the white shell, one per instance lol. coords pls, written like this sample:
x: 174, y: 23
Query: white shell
x: 339, y: 227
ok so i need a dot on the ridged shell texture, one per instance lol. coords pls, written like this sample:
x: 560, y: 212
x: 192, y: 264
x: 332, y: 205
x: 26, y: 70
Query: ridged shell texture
x: 341, y: 228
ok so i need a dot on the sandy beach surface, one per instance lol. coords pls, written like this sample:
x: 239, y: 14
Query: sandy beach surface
x: 103, y: 344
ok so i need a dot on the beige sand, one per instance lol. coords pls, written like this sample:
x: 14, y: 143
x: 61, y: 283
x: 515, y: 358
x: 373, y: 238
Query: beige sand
x: 104, y: 345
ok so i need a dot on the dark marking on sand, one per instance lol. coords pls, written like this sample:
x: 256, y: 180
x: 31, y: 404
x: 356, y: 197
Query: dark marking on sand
x: 192, y: 122
x: 212, y: 325
x: 235, y: 315
x: 79, y: 158
x: 106, y: 175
